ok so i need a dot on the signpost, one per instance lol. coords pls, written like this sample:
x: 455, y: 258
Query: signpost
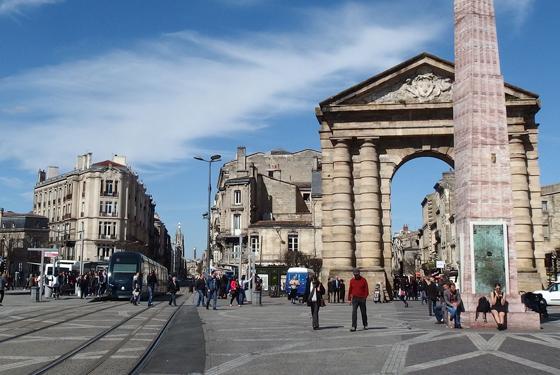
x: 52, y: 253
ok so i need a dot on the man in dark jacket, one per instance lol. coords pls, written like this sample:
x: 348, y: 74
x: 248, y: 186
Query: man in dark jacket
x: 200, y: 285
x: 213, y: 286
x: 152, y: 282
x: 173, y: 288
x: 432, y: 293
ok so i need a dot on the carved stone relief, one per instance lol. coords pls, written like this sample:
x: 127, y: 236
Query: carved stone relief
x: 422, y: 88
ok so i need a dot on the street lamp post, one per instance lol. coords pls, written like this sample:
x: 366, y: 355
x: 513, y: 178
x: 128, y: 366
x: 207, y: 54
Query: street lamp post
x: 213, y: 158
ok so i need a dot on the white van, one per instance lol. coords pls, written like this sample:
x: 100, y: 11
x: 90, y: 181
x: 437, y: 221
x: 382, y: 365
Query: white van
x: 62, y: 266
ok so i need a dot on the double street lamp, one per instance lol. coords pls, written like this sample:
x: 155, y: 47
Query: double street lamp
x: 213, y: 158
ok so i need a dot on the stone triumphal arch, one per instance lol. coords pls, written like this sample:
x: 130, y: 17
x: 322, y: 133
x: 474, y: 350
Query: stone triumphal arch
x: 369, y: 130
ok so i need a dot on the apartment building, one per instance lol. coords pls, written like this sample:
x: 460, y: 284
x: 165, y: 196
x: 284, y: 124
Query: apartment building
x: 95, y: 209
x: 550, y: 198
x: 437, y: 235
x: 270, y: 203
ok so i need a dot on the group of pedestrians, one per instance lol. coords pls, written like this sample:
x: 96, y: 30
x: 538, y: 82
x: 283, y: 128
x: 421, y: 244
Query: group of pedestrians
x: 336, y: 289
x: 209, y: 288
x: 92, y: 284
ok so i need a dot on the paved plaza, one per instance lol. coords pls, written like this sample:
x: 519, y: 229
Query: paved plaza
x: 275, y: 338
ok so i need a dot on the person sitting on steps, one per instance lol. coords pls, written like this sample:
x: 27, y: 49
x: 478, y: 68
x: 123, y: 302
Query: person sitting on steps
x: 498, y: 306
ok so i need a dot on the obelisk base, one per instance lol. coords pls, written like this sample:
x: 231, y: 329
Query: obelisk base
x: 516, y: 318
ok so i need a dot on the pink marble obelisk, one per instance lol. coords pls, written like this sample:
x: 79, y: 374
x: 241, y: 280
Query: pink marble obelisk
x: 482, y: 159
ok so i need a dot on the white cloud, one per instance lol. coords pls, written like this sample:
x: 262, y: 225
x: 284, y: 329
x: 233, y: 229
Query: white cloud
x: 8, y: 7
x: 11, y: 182
x: 518, y: 9
x: 154, y: 101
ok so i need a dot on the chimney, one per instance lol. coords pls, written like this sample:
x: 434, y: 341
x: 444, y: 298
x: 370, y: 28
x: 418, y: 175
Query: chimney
x: 241, y: 159
x: 119, y: 159
x: 87, y: 160
x: 41, y: 175
x: 80, y: 162
x: 52, y: 172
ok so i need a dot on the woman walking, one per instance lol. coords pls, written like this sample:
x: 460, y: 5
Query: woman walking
x: 233, y: 290
x: 314, y: 292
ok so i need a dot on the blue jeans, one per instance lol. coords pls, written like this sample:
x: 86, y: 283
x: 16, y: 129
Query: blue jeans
x: 212, y: 295
x: 241, y: 296
x: 150, y: 295
x: 173, y: 299
x: 200, y: 297
x: 455, y: 315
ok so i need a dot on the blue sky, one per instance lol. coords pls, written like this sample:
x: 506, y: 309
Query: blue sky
x: 162, y: 81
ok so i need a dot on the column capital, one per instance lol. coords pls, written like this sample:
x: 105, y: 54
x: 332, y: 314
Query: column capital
x: 371, y: 139
x: 341, y: 141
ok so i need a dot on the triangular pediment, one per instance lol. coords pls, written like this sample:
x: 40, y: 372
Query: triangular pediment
x: 423, y: 79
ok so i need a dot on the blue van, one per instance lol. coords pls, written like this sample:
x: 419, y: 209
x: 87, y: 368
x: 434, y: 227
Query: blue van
x: 302, y: 274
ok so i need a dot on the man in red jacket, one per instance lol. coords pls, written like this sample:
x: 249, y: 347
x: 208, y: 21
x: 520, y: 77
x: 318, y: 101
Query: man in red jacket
x: 357, y: 296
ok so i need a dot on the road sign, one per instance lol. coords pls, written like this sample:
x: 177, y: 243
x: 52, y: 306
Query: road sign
x: 51, y: 254
x: 440, y: 264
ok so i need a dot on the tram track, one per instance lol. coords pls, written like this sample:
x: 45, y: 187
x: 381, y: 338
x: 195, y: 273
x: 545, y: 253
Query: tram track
x: 90, y: 369
x: 44, y: 313
x: 7, y: 339
x: 146, y: 356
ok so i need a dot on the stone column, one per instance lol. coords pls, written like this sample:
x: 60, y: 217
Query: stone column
x: 328, y: 254
x: 521, y: 206
x: 341, y: 251
x: 369, y: 252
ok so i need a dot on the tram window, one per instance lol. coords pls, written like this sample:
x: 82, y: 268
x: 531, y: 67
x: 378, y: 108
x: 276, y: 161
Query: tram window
x: 124, y: 268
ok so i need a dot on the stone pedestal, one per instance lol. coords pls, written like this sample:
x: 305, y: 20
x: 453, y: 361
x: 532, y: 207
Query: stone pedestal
x: 516, y: 319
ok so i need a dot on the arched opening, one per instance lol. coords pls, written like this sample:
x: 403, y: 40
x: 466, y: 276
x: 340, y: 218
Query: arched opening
x: 421, y: 213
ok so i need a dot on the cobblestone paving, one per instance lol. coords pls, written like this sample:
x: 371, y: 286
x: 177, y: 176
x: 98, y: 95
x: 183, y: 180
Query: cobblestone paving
x: 277, y: 339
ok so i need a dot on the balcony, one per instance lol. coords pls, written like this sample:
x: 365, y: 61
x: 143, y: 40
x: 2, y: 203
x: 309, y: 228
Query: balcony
x: 66, y: 216
x: 108, y: 214
x: 109, y: 194
x: 68, y: 197
x: 107, y: 237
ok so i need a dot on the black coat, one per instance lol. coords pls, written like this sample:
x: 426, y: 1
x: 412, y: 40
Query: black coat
x: 173, y: 287
x: 320, y: 294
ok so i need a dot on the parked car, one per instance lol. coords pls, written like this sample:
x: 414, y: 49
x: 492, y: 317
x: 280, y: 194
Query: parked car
x: 551, y: 294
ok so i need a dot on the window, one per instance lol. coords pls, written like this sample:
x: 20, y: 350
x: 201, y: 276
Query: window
x: 236, y: 224
x: 105, y: 252
x: 545, y: 206
x: 235, y: 252
x: 546, y: 231
x: 254, y: 243
x: 237, y: 197
x: 109, y: 187
x: 306, y: 196
x: 293, y: 242
x: 270, y: 173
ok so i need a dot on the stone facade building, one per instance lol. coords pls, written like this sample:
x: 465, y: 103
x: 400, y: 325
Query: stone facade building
x: 551, y: 227
x: 406, y: 252
x: 19, y: 232
x: 437, y: 235
x: 370, y: 130
x: 267, y: 200
x: 103, y: 206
